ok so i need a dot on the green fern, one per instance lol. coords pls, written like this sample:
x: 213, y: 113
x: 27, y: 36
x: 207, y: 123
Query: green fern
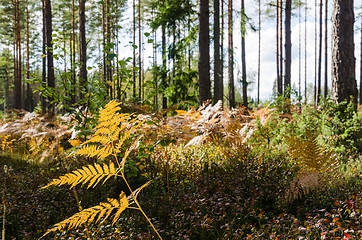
x: 112, y: 131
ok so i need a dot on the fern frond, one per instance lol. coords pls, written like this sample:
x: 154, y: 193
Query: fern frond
x: 91, y: 173
x: 103, y: 210
x: 309, y: 154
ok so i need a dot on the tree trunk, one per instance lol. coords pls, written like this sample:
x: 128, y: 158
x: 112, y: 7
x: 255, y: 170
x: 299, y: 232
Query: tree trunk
x: 279, y: 82
x: 231, y: 56
x: 17, y: 58
x: 83, y: 49
x: 49, y: 44
x: 164, y: 70
x: 344, y: 85
x: 281, y: 46
x: 44, y: 63
x: 360, y: 77
x: 315, y: 52
x: 134, y: 50
x: 288, y: 45
x: 218, y: 84
x: 28, y: 90
x: 243, y: 61
x: 72, y: 58
x: 259, y: 43
x: 139, y: 51
x: 305, y: 52
x: 326, y: 51
x: 204, y: 60
x: 320, y: 53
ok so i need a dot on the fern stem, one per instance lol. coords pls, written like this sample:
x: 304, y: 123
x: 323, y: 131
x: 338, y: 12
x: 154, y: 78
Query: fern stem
x: 140, y: 208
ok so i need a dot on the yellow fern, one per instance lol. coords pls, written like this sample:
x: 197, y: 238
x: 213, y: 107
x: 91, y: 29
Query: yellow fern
x: 108, y: 140
x: 310, y: 156
x: 103, y: 211
x: 92, y: 174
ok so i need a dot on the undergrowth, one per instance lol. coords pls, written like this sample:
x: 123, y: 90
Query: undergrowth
x: 216, y: 174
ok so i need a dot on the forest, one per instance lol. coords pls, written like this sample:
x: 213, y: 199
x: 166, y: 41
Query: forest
x: 180, y: 119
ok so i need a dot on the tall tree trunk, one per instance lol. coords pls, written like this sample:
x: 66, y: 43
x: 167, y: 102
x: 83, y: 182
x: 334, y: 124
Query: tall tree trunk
x: 204, y: 60
x: 326, y: 51
x: 72, y: 58
x: 243, y: 61
x: 108, y: 39
x: 218, y: 84
x: 300, y: 51
x: 222, y: 50
x: 83, y: 48
x: 344, y: 85
x: 28, y: 90
x: 279, y: 79
x: 17, y: 58
x: 49, y: 44
x: 282, y: 83
x: 164, y: 70
x: 305, y: 51
x: 320, y: 53
x: 259, y: 43
x: 288, y: 44
x: 231, y: 56
x: 315, y: 53
x: 139, y: 51
x: 44, y: 63
x: 134, y: 50
x: 360, y: 77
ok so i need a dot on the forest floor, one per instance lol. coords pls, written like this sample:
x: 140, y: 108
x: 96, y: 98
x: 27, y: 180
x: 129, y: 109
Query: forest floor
x: 216, y: 174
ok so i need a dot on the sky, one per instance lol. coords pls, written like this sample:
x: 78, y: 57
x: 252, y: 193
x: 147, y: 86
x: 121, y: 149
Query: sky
x: 268, y: 50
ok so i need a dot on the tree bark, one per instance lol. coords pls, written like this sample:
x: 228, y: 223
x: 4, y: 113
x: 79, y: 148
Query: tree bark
x: 288, y: 45
x: 231, y: 56
x: 259, y: 43
x: 83, y: 48
x: 326, y: 51
x: 344, y: 85
x: 50, y: 61
x: 243, y: 60
x: 218, y: 84
x: 17, y: 58
x: 204, y: 59
x: 319, y: 82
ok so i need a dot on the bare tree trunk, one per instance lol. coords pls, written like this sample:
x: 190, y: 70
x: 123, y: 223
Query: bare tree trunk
x: 134, y: 50
x: 231, y: 56
x: 163, y: 72
x: 204, y: 51
x: 326, y: 51
x: 44, y: 64
x: 305, y: 52
x: 17, y: 58
x: 279, y: 82
x: 83, y: 49
x: 344, y: 84
x: 218, y: 84
x: 315, y: 54
x: 139, y: 51
x: 282, y: 83
x: 320, y: 53
x: 49, y: 44
x: 300, y: 51
x: 243, y: 61
x: 288, y: 45
x: 72, y: 58
x: 28, y: 89
x: 360, y: 78
x: 259, y: 43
